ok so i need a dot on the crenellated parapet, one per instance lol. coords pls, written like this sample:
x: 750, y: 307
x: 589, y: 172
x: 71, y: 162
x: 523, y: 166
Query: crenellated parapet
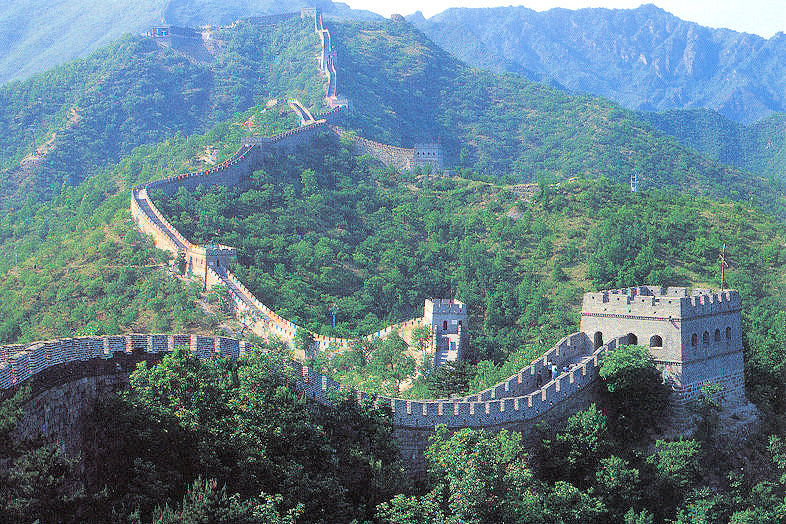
x: 515, y: 400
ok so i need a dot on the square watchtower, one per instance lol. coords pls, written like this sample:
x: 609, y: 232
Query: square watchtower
x: 428, y: 154
x: 447, y: 322
x: 694, y: 335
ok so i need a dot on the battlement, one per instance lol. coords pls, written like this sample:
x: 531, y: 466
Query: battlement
x: 517, y: 399
x: 693, y: 335
x: 671, y: 302
x: 428, y: 154
x: 445, y: 306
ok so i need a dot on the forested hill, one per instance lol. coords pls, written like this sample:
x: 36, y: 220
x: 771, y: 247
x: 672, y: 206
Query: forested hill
x: 77, y: 119
x: 759, y: 148
x: 134, y: 112
x: 37, y: 35
x: 404, y: 89
x: 643, y: 58
x: 62, y: 126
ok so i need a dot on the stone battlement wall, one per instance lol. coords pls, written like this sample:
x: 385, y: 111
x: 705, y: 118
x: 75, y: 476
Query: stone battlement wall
x: 674, y: 302
x: 391, y: 156
x: 232, y: 173
x: 446, y: 306
x: 510, y: 402
x: 211, y: 263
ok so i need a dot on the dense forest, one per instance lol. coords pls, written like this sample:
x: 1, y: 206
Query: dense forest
x: 759, y: 147
x: 82, y: 117
x: 51, y: 229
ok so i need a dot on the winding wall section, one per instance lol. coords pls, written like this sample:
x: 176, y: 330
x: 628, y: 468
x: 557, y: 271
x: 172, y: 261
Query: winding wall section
x: 517, y: 403
x: 211, y: 262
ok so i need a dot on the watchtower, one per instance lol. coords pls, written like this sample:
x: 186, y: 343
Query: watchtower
x: 694, y: 335
x: 447, y: 321
x: 428, y: 154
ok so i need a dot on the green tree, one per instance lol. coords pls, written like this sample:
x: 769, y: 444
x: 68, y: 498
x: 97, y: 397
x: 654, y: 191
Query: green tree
x: 450, y: 378
x: 482, y: 477
x: 618, y: 485
x: 418, y: 338
x: 573, y: 453
x: 304, y: 341
x: 635, y: 393
x: 393, y: 361
x: 411, y: 509
x: 205, y: 502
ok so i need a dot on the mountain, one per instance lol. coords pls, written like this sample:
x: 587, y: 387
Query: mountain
x: 404, y: 89
x: 135, y: 111
x: 224, y: 440
x: 758, y: 148
x: 65, y: 125
x: 36, y: 35
x: 644, y: 58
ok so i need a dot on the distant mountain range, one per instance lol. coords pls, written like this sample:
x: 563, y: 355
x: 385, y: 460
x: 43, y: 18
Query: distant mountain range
x: 644, y: 58
x: 36, y: 35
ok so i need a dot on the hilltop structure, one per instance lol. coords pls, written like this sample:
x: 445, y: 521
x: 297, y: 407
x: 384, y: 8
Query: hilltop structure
x: 694, y: 335
x: 428, y: 154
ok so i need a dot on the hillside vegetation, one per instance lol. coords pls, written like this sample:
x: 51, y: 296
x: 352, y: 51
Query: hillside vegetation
x: 222, y: 441
x: 404, y: 90
x: 323, y: 230
x: 644, y: 58
x: 39, y: 35
x: 758, y: 148
x: 84, y: 116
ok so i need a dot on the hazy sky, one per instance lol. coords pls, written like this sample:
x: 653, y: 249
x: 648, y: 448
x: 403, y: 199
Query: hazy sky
x: 763, y: 17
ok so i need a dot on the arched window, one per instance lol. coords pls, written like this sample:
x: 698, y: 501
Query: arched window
x: 693, y: 338
x: 598, y: 339
x: 632, y: 339
x: 728, y: 334
x: 705, y: 338
x: 656, y: 341
x: 445, y: 325
x: 717, y: 335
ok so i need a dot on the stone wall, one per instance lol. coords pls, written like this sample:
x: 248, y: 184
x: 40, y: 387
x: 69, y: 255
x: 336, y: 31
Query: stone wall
x: 517, y: 403
x: 391, y: 156
x: 694, y: 335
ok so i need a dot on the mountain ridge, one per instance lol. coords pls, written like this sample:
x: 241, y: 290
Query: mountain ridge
x: 655, y: 61
x: 36, y: 35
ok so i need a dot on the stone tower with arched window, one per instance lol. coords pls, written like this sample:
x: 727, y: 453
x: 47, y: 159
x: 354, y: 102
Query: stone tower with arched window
x: 694, y: 335
x: 447, y: 322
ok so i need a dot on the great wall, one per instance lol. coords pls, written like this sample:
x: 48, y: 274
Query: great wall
x: 211, y: 263
x: 673, y: 320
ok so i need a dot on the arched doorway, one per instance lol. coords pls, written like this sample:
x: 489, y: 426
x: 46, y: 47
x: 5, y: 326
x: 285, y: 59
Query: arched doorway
x: 598, y: 339
x: 633, y: 340
x: 656, y: 341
